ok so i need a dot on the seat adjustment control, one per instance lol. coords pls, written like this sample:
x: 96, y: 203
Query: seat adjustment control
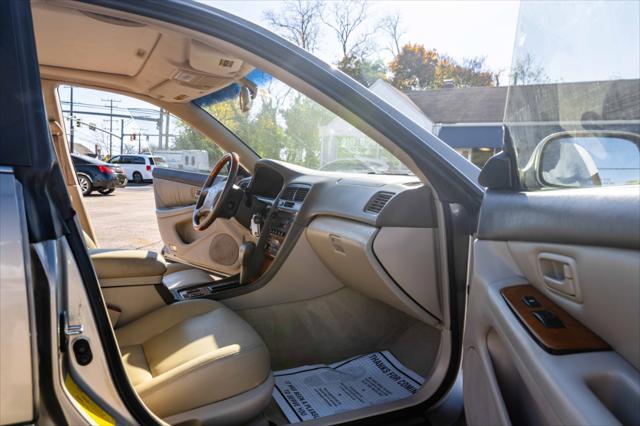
x: 531, y: 302
x: 548, y: 319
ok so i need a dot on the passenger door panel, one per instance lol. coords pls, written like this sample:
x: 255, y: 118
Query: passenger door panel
x: 508, y: 376
x: 217, y: 248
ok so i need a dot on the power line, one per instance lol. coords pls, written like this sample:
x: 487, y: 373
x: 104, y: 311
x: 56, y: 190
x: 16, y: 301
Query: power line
x: 106, y: 114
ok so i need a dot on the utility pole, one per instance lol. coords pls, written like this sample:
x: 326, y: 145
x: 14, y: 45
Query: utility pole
x: 71, y: 121
x: 166, y: 132
x: 121, y: 136
x: 110, y: 124
x: 160, y: 129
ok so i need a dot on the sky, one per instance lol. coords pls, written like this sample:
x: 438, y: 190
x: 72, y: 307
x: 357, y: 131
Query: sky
x: 458, y: 28
x: 603, y: 34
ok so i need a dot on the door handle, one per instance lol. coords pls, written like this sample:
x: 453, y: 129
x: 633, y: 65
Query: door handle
x: 559, y: 274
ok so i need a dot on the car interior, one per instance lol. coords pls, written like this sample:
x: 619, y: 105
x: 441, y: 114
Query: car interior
x: 202, y: 325
x: 269, y: 266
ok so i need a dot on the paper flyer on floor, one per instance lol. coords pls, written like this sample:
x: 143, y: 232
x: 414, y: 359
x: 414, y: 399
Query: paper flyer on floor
x: 310, y: 392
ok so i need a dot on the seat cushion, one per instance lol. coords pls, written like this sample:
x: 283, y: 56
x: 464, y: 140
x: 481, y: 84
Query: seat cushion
x: 190, y: 354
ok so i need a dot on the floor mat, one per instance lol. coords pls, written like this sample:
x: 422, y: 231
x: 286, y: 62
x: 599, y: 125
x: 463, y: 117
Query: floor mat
x: 310, y: 392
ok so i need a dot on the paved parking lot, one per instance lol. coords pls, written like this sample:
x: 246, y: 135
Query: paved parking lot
x: 125, y: 218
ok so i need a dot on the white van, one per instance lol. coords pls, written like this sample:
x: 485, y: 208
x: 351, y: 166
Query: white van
x: 139, y: 167
x: 187, y: 159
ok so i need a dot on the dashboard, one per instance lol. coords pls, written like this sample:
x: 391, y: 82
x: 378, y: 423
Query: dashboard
x: 354, y: 225
x: 294, y: 195
x: 377, y: 234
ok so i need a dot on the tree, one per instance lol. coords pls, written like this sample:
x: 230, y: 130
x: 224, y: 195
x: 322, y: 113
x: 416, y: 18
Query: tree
x: 298, y: 21
x: 419, y: 68
x: 471, y: 73
x: 362, y: 69
x: 303, y: 119
x: 414, y: 67
x: 526, y: 71
x: 189, y: 138
x: 267, y: 138
x: 391, y: 26
x: 346, y: 19
x: 226, y: 112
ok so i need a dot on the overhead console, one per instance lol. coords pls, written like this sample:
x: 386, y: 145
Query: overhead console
x: 206, y: 70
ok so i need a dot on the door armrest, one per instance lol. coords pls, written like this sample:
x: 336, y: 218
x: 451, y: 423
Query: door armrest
x: 187, y: 278
x: 127, y: 267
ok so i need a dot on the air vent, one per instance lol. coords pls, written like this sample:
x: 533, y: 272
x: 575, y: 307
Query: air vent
x: 378, y: 201
x: 301, y: 194
x: 289, y: 193
x: 295, y: 193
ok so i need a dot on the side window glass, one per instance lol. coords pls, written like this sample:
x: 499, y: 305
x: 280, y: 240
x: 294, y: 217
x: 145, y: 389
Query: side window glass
x: 575, y: 121
x: 130, y: 127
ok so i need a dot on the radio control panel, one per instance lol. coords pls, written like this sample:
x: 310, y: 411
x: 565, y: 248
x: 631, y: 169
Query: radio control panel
x: 278, y: 229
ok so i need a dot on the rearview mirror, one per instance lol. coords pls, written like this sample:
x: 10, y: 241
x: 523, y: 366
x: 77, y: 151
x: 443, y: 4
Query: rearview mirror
x: 246, y: 96
x: 588, y: 158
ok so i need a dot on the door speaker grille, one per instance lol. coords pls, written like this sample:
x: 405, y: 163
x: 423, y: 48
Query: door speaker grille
x: 224, y: 250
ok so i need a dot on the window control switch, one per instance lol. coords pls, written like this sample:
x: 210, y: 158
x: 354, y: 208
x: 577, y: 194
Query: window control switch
x: 548, y: 319
x: 531, y: 302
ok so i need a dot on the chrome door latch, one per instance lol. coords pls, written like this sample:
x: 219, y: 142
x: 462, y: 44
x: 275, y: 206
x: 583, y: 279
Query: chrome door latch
x: 67, y: 330
x: 71, y: 329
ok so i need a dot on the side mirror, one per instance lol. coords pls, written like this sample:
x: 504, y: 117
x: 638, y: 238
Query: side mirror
x: 587, y: 158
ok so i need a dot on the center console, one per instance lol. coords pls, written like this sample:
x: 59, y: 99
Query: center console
x: 287, y: 207
x: 279, y: 227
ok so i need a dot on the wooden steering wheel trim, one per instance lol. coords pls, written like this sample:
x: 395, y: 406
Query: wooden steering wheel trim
x: 233, y: 159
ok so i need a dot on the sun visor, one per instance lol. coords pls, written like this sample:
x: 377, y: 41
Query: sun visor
x: 92, y: 42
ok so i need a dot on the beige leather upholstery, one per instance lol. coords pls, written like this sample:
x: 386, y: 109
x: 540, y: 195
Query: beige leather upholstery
x: 114, y: 263
x: 187, y: 278
x: 191, y: 354
x: 177, y: 267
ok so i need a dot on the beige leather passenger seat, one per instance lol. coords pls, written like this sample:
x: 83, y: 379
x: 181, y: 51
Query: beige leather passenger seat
x: 195, y: 354
x: 191, y: 360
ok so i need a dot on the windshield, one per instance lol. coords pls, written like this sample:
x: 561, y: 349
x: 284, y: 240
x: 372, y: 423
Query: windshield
x: 575, y: 88
x: 280, y: 123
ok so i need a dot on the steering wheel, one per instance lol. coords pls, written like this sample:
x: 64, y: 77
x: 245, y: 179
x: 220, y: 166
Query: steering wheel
x: 215, y: 195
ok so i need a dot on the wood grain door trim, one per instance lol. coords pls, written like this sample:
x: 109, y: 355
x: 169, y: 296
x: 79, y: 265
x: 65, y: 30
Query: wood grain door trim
x: 573, y: 337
